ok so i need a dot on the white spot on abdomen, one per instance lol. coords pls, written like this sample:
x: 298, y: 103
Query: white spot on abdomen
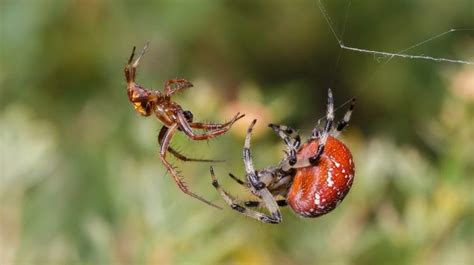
x: 329, y: 180
x: 317, y: 199
x: 333, y: 160
x: 350, y: 179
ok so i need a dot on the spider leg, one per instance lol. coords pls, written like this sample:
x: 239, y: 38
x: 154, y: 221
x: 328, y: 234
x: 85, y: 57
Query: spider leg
x: 137, y: 61
x: 256, y: 185
x: 291, y: 139
x: 257, y: 204
x: 239, y: 181
x: 130, y: 68
x: 245, y: 185
x: 185, y: 126
x: 213, y: 126
x: 164, y: 148
x: 275, y: 217
x: 179, y: 84
x: 247, y: 155
x: 323, y: 136
x: 187, y: 159
x: 316, y: 133
x: 178, y: 155
x: 327, y: 129
x: 345, y: 121
x: 286, y: 133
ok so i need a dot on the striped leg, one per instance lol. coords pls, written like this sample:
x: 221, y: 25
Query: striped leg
x: 291, y: 139
x: 323, y: 137
x: 257, y: 187
x: 239, y: 181
x: 257, y: 204
x: 327, y: 129
x: 286, y: 133
x: 345, y: 121
x: 274, y: 219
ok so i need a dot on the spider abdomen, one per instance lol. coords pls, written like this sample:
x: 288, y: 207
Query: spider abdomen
x: 318, y: 189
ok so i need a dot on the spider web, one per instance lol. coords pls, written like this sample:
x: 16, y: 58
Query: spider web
x: 383, y: 57
x: 390, y: 55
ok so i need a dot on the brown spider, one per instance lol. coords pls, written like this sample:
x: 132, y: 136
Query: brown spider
x: 174, y: 118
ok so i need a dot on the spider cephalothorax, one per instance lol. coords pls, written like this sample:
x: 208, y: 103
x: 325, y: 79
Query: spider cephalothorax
x: 174, y: 118
x: 312, y: 178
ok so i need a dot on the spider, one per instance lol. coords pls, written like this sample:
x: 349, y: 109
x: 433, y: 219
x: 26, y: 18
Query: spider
x: 312, y: 179
x: 174, y: 118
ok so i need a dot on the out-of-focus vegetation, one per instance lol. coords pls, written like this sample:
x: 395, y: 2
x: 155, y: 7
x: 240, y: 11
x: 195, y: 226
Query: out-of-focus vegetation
x: 81, y: 181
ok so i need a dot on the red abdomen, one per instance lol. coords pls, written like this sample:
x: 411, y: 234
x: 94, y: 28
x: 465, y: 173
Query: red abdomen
x: 317, y: 190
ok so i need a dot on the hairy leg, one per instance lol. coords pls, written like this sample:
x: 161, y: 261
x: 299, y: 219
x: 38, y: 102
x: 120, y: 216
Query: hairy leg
x: 214, y: 126
x: 184, y: 125
x: 178, y: 155
x: 175, y: 85
x: 164, y: 148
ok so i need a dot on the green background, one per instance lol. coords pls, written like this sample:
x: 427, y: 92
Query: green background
x: 81, y: 181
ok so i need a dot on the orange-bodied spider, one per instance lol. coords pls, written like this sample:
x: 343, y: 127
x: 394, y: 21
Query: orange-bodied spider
x: 174, y: 118
x: 312, y: 178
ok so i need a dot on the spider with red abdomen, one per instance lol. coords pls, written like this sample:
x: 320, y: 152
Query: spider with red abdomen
x: 312, y: 179
x: 174, y: 118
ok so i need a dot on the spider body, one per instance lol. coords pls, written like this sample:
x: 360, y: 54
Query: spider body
x: 172, y: 116
x: 313, y: 178
x: 317, y: 190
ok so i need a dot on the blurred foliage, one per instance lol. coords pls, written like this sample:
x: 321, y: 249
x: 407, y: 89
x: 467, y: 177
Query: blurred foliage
x: 81, y: 182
